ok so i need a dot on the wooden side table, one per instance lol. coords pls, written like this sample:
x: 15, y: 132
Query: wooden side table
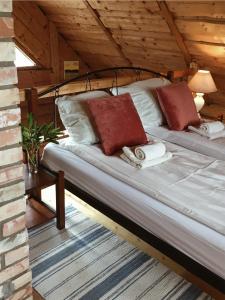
x: 34, y: 183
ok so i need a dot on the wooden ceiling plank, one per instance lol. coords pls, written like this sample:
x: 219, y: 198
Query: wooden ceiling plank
x: 142, y: 34
x: 95, y: 14
x: 72, y: 19
x: 211, y: 9
x: 173, y: 28
x: 124, y: 5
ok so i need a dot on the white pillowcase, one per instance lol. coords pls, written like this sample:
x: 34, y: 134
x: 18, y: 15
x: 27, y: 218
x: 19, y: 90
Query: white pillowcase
x: 147, y: 106
x: 151, y: 83
x: 75, y: 117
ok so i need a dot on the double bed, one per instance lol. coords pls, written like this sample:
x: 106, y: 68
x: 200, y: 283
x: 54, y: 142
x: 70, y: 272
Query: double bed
x: 203, y: 244
x: 196, y: 245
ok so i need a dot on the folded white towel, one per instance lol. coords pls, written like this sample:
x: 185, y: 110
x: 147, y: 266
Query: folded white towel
x: 130, y: 154
x: 150, y: 151
x: 142, y: 164
x: 211, y: 136
x: 212, y: 127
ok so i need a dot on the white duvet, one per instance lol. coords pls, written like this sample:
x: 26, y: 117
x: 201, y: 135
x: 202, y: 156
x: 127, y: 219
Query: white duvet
x: 192, y: 141
x: 191, y: 183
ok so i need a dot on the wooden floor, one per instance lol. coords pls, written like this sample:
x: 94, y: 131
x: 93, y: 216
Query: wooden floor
x: 37, y: 214
x: 128, y: 236
x: 36, y: 296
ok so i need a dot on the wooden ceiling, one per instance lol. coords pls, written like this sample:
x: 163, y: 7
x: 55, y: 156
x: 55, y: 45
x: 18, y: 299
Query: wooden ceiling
x: 161, y: 35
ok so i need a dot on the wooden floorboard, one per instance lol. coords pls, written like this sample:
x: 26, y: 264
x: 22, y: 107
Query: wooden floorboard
x: 37, y: 214
x: 36, y: 295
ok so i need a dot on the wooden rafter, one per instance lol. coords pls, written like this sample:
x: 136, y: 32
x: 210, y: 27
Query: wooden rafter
x: 108, y: 33
x: 166, y: 14
x: 82, y: 60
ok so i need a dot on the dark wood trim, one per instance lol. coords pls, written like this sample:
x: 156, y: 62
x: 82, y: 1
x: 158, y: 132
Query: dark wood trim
x: 60, y: 201
x: 167, y: 15
x: 34, y: 183
x: 31, y: 98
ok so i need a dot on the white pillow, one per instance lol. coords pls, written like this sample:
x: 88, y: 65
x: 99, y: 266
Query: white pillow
x: 147, y: 106
x: 75, y: 118
x: 151, y: 83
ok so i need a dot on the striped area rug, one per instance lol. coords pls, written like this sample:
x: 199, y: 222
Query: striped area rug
x: 87, y: 261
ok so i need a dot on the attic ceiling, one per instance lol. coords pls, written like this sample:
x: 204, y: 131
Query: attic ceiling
x: 162, y: 36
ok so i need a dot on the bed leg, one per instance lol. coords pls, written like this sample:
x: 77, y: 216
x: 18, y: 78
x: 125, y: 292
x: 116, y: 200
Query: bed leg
x: 60, y: 201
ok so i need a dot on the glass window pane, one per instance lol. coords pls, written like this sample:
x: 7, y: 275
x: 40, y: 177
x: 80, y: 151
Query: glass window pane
x: 22, y: 60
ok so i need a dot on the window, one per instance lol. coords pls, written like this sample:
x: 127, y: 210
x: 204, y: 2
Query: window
x: 22, y: 60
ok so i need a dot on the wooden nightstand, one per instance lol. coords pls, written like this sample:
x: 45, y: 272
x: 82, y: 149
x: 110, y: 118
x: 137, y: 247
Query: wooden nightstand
x: 34, y: 183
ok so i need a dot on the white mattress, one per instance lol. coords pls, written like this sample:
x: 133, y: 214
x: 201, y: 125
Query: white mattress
x: 192, y: 141
x: 194, y: 239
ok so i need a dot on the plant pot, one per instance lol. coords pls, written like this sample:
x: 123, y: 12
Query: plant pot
x: 32, y: 161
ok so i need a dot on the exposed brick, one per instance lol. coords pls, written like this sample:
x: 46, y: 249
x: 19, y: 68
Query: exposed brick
x: 15, y: 276
x: 10, y: 136
x: 15, y: 255
x: 14, y: 270
x: 7, y: 51
x: 10, y: 156
x: 1, y: 292
x: 5, y: 6
x: 9, y: 117
x: 14, y: 226
x: 6, y: 27
x: 9, y: 97
x: 9, y: 243
x: 8, y: 75
x: 22, y: 280
x: 22, y: 294
x: 9, y: 174
x: 13, y: 191
x: 12, y: 209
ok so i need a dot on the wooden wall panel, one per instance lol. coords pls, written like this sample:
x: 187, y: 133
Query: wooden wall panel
x: 39, y: 38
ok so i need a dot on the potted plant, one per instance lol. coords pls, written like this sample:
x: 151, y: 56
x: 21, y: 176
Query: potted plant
x: 33, y: 137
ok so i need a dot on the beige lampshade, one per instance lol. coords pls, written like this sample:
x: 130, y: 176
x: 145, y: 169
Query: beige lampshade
x: 202, y: 82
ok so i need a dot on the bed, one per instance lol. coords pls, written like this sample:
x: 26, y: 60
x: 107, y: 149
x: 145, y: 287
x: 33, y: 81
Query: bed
x: 191, y: 140
x: 197, y: 240
x: 192, y: 244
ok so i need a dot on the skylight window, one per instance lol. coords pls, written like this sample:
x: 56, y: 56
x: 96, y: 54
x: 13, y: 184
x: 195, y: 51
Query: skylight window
x: 22, y: 60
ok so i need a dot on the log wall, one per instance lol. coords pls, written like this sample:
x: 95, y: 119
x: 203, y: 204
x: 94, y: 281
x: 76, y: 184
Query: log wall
x: 40, y: 39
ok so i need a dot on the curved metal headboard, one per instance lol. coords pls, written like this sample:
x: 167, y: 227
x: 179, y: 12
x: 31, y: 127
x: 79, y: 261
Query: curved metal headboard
x: 97, y: 73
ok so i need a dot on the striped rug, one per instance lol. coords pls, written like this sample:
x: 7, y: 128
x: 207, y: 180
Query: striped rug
x: 87, y: 261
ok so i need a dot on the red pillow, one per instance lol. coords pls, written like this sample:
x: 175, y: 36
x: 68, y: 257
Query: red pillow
x: 117, y: 122
x: 177, y: 104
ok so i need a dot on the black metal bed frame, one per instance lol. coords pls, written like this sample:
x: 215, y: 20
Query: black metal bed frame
x: 170, y: 251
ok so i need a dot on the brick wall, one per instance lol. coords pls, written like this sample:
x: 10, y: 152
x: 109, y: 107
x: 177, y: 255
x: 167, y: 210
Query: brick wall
x: 15, y: 274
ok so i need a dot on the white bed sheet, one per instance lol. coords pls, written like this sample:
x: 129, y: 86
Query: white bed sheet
x: 194, y: 239
x: 192, y: 141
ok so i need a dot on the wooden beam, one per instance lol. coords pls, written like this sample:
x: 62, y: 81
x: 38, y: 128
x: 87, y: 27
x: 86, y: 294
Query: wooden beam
x: 166, y: 14
x: 80, y: 86
x: 108, y: 33
x: 54, y: 50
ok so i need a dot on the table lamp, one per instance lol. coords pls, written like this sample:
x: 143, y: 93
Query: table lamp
x: 201, y: 83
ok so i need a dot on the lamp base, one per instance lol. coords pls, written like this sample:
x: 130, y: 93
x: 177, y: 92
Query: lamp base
x: 199, y: 101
